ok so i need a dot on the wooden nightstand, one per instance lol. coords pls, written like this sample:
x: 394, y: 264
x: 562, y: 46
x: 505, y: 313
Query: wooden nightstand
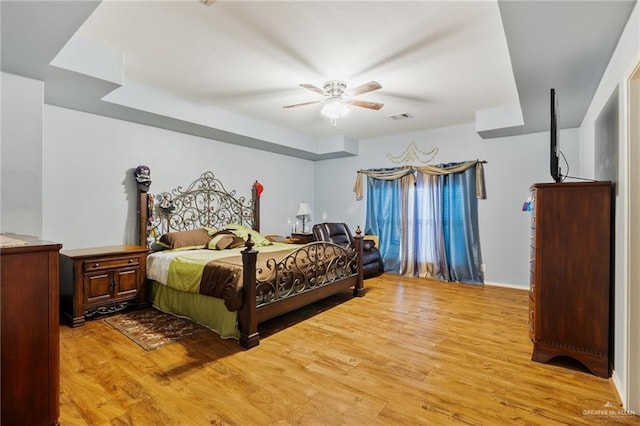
x: 101, y: 280
x: 302, y: 238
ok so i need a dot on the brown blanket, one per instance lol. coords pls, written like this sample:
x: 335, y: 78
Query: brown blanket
x: 223, y: 278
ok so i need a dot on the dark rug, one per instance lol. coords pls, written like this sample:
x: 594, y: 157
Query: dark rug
x: 151, y: 329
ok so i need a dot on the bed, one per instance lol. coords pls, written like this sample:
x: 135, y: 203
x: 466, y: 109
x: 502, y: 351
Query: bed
x: 210, y: 263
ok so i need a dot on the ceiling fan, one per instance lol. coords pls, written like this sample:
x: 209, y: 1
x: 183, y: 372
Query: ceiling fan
x: 337, y: 98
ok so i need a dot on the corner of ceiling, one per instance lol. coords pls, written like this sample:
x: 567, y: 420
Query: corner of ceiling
x: 86, y: 57
x: 79, y: 74
x: 88, y: 77
x: 500, y: 121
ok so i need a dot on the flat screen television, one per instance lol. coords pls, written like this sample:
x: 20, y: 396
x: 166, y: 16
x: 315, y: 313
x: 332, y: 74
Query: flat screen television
x: 554, y: 166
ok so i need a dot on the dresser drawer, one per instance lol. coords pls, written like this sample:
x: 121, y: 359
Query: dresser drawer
x: 98, y: 264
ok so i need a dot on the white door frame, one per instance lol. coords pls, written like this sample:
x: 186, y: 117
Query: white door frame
x: 632, y: 396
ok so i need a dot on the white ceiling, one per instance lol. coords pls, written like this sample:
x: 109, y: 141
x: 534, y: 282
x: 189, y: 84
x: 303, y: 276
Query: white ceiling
x: 438, y: 61
x: 224, y: 71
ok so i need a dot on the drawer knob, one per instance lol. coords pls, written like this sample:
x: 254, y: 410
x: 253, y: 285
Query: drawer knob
x: 95, y: 265
x: 130, y: 260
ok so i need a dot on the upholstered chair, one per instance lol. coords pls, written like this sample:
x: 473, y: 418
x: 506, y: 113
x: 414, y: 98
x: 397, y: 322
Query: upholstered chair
x: 339, y: 233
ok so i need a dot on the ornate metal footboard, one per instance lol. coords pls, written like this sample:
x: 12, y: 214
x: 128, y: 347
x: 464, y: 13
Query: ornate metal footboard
x: 308, y: 274
x: 304, y: 269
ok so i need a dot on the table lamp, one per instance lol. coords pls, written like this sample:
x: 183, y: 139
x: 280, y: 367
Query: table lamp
x: 303, y: 211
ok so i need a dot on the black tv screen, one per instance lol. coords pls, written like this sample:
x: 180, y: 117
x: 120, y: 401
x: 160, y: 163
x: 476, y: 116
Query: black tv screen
x: 554, y: 166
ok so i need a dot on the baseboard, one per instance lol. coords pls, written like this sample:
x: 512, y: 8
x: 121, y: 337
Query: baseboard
x: 620, y: 389
x: 507, y: 285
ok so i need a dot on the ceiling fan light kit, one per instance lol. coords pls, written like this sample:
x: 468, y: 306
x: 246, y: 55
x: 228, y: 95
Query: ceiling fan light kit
x: 335, y: 106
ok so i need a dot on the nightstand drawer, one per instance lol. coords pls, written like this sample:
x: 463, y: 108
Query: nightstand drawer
x: 110, y: 263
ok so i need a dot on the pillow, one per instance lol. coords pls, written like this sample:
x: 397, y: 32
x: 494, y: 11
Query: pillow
x: 243, y: 232
x: 224, y: 240
x: 220, y: 242
x: 158, y: 246
x: 193, y: 239
x: 211, y: 231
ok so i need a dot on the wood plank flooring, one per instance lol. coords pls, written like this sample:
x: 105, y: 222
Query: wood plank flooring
x: 411, y: 351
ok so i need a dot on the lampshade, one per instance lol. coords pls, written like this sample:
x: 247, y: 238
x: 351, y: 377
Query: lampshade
x: 335, y: 108
x: 303, y: 210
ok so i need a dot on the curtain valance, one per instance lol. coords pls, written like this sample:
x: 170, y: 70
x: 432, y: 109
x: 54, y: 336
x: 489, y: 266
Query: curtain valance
x: 443, y: 169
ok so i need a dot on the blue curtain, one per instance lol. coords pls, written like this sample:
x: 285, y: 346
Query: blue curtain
x: 440, y: 238
x: 430, y: 255
x: 460, y: 227
x: 384, y: 219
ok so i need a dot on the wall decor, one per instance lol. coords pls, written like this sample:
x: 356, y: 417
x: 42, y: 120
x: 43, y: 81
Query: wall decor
x: 413, y: 153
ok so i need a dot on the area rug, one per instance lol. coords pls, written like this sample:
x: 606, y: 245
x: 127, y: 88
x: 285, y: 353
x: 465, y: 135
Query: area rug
x: 151, y: 329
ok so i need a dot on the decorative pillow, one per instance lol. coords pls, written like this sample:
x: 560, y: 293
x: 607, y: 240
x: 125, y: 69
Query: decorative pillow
x: 211, y: 231
x: 225, y: 240
x: 193, y: 239
x: 243, y: 232
x: 220, y: 242
x: 158, y: 246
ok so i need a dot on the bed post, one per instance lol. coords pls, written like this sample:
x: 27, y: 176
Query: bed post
x: 248, y: 314
x: 256, y: 190
x: 358, y: 289
x: 143, y: 217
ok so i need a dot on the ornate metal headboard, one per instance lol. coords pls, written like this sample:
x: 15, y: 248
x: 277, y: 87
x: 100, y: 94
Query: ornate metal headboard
x: 204, y: 203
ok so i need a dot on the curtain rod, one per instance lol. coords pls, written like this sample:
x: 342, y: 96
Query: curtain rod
x: 411, y: 165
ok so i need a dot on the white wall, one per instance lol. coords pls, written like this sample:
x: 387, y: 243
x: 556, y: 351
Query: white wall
x: 21, y: 153
x: 89, y: 192
x: 513, y: 164
x: 620, y: 67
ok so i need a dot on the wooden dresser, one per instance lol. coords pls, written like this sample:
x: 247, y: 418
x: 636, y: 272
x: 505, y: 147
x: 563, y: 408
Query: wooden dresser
x: 101, y: 280
x: 30, y: 365
x: 570, y: 273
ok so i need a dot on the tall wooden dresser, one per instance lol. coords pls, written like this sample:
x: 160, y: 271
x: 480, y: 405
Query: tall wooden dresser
x: 570, y: 273
x: 30, y: 332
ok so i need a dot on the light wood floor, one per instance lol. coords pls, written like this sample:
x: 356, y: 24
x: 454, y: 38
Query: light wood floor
x: 411, y: 351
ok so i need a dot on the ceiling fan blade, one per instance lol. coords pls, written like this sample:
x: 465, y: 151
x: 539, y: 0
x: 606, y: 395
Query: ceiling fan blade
x: 302, y: 104
x: 365, y: 104
x: 313, y: 89
x: 364, y: 88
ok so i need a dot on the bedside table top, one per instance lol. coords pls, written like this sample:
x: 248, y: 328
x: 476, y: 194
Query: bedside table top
x: 302, y: 237
x: 105, y: 251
